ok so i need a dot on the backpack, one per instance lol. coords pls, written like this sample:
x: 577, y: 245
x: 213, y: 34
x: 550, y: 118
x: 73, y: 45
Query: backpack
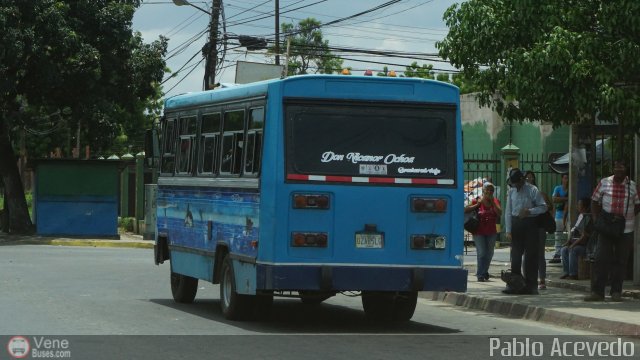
x: 514, y: 282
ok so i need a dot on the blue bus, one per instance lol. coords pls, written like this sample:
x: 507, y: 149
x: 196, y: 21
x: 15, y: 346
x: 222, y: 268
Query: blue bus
x: 311, y: 186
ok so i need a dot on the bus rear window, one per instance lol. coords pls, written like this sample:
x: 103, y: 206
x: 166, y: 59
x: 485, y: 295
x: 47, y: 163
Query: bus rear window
x: 364, y: 140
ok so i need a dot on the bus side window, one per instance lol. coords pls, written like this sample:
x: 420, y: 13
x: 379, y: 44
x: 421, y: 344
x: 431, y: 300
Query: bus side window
x: 188, y: 128
x: 168, y: 147
x: 254, y: 141
x: 209, y: 144
x: 232, y: 142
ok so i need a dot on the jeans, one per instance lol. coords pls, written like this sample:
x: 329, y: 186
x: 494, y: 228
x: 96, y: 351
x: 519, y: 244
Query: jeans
x: 485, y: 244
x: 559, y: 237
x: 542, y: 263
x: 570, y: 257
x: 525, y: 241
x: 611, y: 259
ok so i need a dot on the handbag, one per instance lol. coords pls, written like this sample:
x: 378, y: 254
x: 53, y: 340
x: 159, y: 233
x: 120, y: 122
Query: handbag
x: 546, y: 222
x: 609, y: 225
x: 515, y: 282
x: 471, y: 221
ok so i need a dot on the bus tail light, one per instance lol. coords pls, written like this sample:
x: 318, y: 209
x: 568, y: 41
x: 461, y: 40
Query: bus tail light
x: 309, y: 239
x: 310, y: 201
x: 428, y: 241
x: 421, y: 204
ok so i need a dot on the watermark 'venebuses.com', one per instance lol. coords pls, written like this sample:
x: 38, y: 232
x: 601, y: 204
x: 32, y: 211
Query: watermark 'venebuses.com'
x: 38, y: 347
x: 556, y: 347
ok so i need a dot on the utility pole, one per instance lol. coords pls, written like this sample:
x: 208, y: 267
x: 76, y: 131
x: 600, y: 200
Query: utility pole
x: 212, y: 51
x: 277, y: 48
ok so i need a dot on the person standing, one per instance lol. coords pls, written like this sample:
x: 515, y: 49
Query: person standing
x: 576, y: 245
x: 617, y: 195
x: 489, y: 210
x: 530, y: 177
x: 524, y: 203
x: 560, y: 197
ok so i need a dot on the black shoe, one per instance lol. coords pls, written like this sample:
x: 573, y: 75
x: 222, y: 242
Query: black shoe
x: 555, y: 260
x: 481, y: 279
x: 510, y: 292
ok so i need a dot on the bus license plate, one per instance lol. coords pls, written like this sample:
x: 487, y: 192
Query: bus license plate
x: 371, y: 169
x: 369, y: 241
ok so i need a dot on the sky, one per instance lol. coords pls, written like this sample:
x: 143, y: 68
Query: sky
x: 411, y: 26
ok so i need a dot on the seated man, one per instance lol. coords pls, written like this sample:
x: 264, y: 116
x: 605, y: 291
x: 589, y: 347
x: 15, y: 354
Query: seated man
x: 575, y: 247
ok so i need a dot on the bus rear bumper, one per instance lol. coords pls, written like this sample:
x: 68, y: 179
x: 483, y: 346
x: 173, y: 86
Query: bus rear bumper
x: 354, y: 278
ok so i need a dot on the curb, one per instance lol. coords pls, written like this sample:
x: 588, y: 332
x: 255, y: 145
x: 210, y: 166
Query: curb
x: 535, y: 313
x: 86, y: 243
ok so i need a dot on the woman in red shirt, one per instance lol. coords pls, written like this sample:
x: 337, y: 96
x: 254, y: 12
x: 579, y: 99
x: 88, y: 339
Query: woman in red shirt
x: 489, y: 211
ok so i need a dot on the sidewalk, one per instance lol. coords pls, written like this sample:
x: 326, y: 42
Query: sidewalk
x: 560, y: 304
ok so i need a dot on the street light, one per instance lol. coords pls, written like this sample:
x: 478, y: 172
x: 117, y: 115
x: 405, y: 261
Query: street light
x: 185, y: 2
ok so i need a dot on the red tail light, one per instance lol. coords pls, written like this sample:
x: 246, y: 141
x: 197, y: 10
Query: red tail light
x: 308, y: 239
x: 420, y: 204
x: 311, y: 201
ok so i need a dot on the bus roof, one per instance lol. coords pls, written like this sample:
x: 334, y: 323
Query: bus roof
x: 257, y: 89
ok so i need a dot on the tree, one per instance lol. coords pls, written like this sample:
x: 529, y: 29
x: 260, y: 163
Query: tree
x: 308, y: 52
x: 77, y: 65
x: 425, y: 71
x: 556, y: 61
x: 414, y: 70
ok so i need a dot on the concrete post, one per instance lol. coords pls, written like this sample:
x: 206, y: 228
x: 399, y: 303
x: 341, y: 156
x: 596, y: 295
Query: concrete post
x: 124, y: 186
x: 139, y: 222
x: 636, y: 241
x: 509, y: 159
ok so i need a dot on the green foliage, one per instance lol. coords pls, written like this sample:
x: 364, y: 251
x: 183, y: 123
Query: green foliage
x: 563, y: 61
x: 425, y: 71
x: 126, y: 224
x: 70, y: 64
x: 308, y: 51
x: 414, y: 70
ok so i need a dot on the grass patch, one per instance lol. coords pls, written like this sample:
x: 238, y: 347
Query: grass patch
x: 126, y: 223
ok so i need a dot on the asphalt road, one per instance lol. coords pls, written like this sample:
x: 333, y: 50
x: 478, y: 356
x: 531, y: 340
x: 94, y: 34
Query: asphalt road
x: 115, y: 303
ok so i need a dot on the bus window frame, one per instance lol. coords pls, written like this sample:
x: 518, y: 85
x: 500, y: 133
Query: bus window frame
x: 234, y: 134
x: 191, y: 137
x: 287, y: 101
x: 202, y: 137
x: 172, y: 143
x: 257, y: 153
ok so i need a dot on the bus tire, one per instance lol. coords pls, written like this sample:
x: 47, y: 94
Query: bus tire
x: 183, y: 288
x: 404, y: 305
x: 233, y: 305
x: 389, y: 306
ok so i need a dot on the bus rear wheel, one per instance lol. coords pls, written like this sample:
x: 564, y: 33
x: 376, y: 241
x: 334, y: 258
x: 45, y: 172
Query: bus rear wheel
x: 183, y: 288
x: 234, y: 306
x: 389, y: 306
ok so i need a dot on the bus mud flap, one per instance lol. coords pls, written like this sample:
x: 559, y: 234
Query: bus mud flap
x: 417, y: 279
x: 326, y: 278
